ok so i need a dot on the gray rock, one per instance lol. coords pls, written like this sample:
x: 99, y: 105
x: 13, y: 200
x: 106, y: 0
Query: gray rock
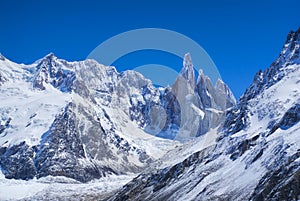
x: 17, y: 161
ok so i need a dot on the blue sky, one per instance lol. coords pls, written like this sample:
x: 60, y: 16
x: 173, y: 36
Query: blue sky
x: 241, y: 37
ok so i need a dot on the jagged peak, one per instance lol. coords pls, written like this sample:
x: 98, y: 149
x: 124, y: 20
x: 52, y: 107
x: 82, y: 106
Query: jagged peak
x: 47, y: 61
x: 290, y: 51
x: 187, y: 70
x: 222, y: 86
x: 220, y: 83
x: 49, y: 56
x: 200, y: 72
x: 293, y: 36
x: 290, y: 54
x: 187, y: 61
x: 202, y: 78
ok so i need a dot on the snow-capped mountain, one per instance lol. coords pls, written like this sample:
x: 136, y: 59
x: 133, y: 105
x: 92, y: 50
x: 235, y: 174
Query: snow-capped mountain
x: 85, y: 121
x: 256, y: 155
x: 53, y: 122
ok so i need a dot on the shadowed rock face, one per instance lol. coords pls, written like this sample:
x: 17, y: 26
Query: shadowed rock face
x: 76, y: 147
x: 61, y: 152
x: 17, y: 161
x: 150, y: 186
x: 2, y: 79
x: 291, y: 117
x: 282, y: 183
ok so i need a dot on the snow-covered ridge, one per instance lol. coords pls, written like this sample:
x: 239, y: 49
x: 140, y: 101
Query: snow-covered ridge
x: 286, y: 63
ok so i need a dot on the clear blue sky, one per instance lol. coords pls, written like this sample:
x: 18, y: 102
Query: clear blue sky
x: 240, y: 36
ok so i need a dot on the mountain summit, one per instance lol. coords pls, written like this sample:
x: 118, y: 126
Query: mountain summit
x: 187, y: 71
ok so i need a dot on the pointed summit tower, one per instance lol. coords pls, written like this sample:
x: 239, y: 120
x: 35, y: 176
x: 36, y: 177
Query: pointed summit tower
x: 202, y: 105
x: 188, y: 72
x: 185, y: 83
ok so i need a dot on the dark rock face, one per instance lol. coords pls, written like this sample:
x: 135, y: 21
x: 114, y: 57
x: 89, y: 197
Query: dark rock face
x: 61, y: 152
x: 172, y: 108
x: 281, y: 183
x: 5, y: 125
x: 150, y: 186
x: 290, y: 118
x: 2, y: 79
x: 75, y: 146
x: 137, y: 112
x: 156, y: 112
x: 17, y: 161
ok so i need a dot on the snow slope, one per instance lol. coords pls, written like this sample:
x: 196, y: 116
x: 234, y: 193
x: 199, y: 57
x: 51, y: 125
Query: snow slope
x: 60, y: 188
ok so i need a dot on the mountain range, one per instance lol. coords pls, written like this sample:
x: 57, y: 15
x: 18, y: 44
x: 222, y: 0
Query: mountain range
x: 83, y: 122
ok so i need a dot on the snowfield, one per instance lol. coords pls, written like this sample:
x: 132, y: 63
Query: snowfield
x: 60, y: 188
